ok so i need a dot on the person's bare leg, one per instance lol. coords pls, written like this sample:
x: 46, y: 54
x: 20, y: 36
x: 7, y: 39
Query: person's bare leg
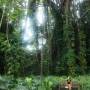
x: 69, y: 86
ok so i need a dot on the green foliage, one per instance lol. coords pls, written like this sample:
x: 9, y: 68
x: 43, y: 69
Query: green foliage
x: 4, y: 45
x: 69, y: 56
x: 59, y: 51
x: 34, y: 83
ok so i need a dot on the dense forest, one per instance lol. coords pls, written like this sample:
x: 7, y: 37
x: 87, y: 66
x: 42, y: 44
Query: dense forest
x: 44, y: 37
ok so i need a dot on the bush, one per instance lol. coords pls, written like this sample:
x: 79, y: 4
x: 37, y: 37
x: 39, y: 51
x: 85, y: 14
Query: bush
x: 35, y: 83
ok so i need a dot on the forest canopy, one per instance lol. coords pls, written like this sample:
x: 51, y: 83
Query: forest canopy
x: 44, y: 37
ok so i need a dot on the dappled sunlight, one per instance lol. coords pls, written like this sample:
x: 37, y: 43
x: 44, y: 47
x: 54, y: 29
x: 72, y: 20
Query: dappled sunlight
x: 54, y: 1
x: 78, y: 13
x: 12, y: 10
x: 25, y: 4
x: 30, y: 48
x: 42, y: 42
x: 27, y: 34
x: 40, y: 15
x: 78, y: 1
